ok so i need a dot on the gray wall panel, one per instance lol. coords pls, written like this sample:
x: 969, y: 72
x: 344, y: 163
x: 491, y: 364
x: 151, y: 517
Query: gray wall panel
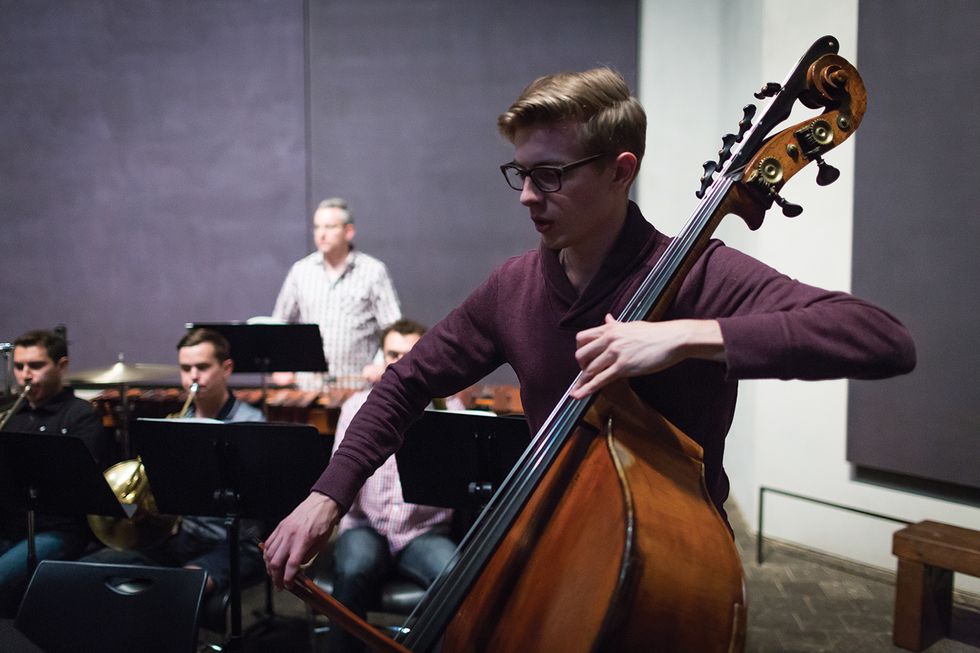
x: 915, y: 235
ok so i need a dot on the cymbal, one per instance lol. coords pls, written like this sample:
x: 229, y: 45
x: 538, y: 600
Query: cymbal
x: 122, y: 372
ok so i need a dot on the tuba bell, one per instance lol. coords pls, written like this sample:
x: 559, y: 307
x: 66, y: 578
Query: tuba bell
x: 130, y: 485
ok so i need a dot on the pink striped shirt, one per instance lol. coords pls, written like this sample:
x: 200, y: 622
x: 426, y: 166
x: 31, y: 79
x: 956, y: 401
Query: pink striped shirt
x: 380, y: 503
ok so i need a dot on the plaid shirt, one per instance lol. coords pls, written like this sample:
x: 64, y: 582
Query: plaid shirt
x: 351, y: 310
x: 380, y: 503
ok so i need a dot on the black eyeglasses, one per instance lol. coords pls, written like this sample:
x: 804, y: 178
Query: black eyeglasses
x: 546, y: 178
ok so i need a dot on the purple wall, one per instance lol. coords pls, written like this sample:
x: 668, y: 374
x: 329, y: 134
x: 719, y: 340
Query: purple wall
x: 153, y: 167
x: 155, y: 153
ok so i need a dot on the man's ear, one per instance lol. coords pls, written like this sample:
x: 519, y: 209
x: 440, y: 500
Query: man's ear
x: 227, y: 367
x: 62, y: 364
x: 625, y: 168
x: 349, y: 232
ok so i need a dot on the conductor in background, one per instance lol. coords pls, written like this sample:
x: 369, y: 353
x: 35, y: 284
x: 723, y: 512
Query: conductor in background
x: 348, y: 293
x: 40, y: 361
x: 202, y: 542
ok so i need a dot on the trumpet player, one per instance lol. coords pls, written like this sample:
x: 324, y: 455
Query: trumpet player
x: 40, y: 361
x: 201, y: 542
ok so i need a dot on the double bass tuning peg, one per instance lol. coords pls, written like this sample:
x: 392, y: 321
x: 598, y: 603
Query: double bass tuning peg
x: 770, y: 89
x: 726, y: 148
x: 826, y: 173
x: 790, y: 210
x: 709, y: 170
x: 748, y: 112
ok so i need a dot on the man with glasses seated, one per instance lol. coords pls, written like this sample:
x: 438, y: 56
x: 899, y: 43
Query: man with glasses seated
x: 578, y: 142
x: 381, y: 533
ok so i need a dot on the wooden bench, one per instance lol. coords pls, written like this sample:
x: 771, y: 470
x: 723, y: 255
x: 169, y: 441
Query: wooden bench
x: 928, y: 554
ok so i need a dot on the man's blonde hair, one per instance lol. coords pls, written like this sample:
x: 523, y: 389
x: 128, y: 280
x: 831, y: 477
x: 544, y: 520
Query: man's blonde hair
x: 612, y: 120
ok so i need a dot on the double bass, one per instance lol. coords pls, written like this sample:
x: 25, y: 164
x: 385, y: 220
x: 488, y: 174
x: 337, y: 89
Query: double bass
x: 603, y: 537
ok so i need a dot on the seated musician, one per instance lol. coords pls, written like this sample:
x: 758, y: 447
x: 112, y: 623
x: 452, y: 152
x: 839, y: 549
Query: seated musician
x: 40, y: 361
x: 381, y: 533
x: 201, y: 542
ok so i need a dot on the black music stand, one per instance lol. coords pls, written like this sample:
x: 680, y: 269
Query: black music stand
x: 266, y: 348
x: 232, y: 470
x: 458, y: 459
x: 52, y: 474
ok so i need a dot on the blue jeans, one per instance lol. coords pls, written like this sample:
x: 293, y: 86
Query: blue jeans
x: 362, y: 562
x: 50, y: 545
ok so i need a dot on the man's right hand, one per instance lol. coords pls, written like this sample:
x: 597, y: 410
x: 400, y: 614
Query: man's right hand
x: 299, y: 537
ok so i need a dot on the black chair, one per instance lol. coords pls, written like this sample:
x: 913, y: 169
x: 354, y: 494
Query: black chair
x: 83, y: 606
x: 398, y: 597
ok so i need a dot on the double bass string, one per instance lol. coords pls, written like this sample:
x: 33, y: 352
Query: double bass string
x: 445, y: 595
x: 659, y: 278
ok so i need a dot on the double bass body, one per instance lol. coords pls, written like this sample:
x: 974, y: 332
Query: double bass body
x: 619, y: 550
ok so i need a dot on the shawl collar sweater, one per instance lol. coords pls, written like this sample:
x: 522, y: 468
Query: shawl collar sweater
x: 527, y: 314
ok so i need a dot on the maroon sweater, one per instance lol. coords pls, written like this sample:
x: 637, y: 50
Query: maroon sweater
x: 527, y: 314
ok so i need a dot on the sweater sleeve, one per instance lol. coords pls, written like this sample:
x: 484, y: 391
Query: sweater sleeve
x: 455, y: 353
x: 776, y: 327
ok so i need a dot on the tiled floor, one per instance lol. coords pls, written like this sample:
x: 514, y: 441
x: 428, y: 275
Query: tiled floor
x: 799, y: 600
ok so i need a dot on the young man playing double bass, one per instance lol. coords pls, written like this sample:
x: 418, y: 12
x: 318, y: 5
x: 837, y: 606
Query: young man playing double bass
x: 578, y: 142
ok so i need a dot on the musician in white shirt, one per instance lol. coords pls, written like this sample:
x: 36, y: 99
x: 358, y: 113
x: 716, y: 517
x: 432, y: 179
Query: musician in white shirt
x: 348, y: 293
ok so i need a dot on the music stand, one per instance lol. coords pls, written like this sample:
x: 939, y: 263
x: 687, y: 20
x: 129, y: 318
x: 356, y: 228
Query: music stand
x: 232, y: 470
x: 52, y: 474
x: 266, y: 348
x: 458, y: 459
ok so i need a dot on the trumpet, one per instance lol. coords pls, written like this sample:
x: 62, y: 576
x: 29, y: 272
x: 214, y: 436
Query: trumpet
x: 13, y: 409
x: 191, y: 393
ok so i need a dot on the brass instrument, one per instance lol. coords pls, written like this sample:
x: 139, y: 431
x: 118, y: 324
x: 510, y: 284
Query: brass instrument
x: 13, y: 409
x: 146, y: 526
x: 128, y: 481
x: 191, y: 393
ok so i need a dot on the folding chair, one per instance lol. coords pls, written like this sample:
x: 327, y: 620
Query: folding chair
x: 81, y: 606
